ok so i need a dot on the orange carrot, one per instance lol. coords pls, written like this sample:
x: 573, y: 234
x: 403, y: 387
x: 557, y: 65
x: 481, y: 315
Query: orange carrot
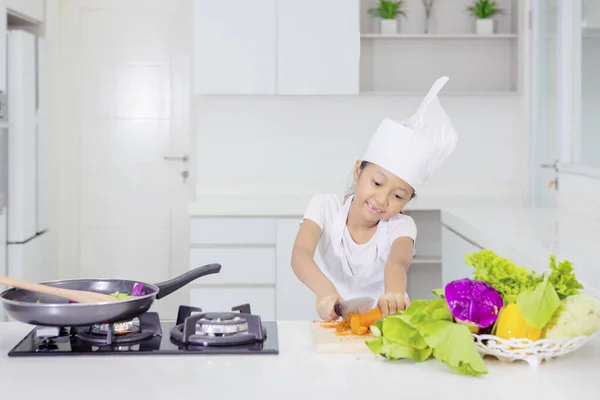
x: 355, y: 324
x: 362, y: 330
x: 369, y: 318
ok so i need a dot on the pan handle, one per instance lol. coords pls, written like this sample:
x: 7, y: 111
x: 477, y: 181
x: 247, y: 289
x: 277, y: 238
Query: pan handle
x: 168, y: 287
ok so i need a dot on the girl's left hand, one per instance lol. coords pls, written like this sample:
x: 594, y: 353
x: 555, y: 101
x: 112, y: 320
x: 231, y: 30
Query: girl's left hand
x: 391, y: 303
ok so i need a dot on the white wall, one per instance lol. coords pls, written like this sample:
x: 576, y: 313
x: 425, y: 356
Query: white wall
x: 51, y: 161
x: 303, y: 145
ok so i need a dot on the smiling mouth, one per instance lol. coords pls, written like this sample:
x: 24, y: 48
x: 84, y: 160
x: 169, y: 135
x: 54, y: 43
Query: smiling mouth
x: 374, y: 209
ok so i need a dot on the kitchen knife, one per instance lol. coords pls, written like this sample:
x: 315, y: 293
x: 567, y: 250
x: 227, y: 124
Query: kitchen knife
x: 359, y: 305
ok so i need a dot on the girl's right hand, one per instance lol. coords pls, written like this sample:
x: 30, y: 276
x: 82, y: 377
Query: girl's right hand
x: 325, y: 306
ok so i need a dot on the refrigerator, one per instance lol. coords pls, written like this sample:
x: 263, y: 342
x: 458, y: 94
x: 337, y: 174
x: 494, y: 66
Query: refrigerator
x: 25, y: 234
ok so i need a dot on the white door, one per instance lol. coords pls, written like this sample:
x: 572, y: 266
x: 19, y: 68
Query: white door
x: 545, y: 116
x: 127, y: 84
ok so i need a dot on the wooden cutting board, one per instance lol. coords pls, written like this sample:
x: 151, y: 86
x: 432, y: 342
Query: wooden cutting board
x: 326, y: 341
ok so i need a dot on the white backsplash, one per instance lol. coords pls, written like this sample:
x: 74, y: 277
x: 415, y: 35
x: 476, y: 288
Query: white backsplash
x: 300, y: 145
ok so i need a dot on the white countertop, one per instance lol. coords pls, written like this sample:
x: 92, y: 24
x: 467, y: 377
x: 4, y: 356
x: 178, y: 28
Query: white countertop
x: 296, y: 372
x: 294, y: 205
x: 528, y: 236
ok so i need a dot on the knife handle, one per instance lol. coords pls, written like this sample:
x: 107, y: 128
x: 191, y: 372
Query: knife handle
x: 338, y: 309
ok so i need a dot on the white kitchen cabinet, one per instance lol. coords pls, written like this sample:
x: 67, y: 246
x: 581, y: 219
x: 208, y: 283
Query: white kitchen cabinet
x: 318, y: 47
x: 234, y: 47
x: 294, y: 300
x: 454, y: 249
x: 239, y: 265
x: 232, y: 231
x: 29, y: 10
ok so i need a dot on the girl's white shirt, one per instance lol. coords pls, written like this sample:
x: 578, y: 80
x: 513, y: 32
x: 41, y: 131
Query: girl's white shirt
x: 356, y: 270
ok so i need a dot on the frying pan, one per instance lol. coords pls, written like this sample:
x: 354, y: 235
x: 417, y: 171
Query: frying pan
x: 23, y: 305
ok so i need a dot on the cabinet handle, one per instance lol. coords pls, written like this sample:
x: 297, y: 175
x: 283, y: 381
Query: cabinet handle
x: 176, y: 158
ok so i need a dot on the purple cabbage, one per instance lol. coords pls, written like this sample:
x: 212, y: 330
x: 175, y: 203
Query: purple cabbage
x: 473, y: 303
x: 138, y: 290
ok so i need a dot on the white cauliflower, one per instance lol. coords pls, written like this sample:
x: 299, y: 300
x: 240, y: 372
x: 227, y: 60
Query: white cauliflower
x: 579, y: 316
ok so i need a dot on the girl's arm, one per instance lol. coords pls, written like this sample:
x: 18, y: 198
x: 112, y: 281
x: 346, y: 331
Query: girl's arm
x: 397, y: 265
x: 395, y: 270
x: 303, y: 263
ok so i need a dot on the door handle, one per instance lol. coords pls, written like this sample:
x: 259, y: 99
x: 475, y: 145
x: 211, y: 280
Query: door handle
x: 185, y: 158
x: 554, y: 165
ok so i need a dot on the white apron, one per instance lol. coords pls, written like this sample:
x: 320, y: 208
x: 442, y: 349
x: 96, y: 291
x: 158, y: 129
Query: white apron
x: 366, y: 280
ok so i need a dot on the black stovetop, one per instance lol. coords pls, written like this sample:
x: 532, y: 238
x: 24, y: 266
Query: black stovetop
x: 154, y: 337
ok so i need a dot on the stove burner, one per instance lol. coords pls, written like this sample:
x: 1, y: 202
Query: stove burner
x: 119, y: 328
x: 221, y: 324
x: 126, y: 332
x: 47, y: 345
x: 217, y: 329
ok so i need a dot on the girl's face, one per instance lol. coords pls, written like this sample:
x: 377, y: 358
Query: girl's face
x: 379, y: 194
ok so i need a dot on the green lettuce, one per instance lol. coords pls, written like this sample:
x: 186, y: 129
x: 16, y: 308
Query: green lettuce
x: 425, y: 330
x: 453, y: 345
x: 563, y: 278
x: 502, y: 274
x: 511, y: 280
x: 539, y: 306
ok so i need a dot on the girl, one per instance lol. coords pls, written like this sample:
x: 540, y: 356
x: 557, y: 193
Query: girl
x: 365, y: 243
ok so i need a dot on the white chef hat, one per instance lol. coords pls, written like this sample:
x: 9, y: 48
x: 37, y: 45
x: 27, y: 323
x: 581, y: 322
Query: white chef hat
x: 414, y: 149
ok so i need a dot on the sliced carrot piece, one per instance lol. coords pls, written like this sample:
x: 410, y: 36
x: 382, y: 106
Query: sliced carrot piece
x: 362, y: 330
x: 369, y: 318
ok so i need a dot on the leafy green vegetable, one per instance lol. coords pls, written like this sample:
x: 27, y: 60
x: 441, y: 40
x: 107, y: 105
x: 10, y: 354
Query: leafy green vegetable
x: 397, y: 351
x: 563, y: 278
x: 398, y: 331
x: 538, y: 306
x: 411, y: 334
x: 375, y: 345
x: 502, y: 274
x: 424, y: 310
x: 453, y: 345
x: 439, y: 292
x: 510, y: 280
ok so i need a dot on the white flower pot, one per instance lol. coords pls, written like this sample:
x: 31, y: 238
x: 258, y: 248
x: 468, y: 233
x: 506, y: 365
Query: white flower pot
x: 389, y: 26
x: 485, y: 26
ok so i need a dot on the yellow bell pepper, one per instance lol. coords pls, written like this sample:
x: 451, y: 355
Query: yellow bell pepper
x: 511, y: 324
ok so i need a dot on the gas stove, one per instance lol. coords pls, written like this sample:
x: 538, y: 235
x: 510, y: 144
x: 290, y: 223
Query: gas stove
x: 195, y: 332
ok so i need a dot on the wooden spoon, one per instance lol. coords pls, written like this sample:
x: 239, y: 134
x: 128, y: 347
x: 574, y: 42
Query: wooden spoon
x: 80, y: 296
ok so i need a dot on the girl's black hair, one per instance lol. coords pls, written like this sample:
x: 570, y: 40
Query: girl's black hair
x: 362, y: 166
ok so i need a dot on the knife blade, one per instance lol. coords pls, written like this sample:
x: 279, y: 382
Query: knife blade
x: 358, y: 305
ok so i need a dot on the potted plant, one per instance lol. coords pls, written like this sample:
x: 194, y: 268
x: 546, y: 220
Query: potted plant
x: 483, y: 11
x: 388, y: 11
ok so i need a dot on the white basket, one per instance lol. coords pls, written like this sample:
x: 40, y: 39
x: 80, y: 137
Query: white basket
x: 533, y: 352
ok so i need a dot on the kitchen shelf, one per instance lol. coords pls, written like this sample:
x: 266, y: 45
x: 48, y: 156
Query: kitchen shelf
x: 408, y: 61
x: 435, y: 36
